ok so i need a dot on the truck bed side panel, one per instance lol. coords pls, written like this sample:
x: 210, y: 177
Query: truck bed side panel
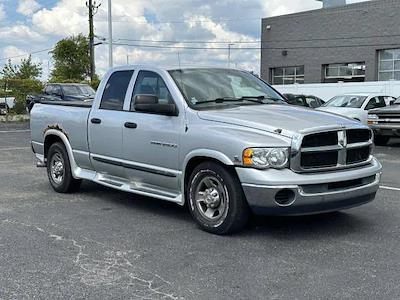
x: 70, y: 120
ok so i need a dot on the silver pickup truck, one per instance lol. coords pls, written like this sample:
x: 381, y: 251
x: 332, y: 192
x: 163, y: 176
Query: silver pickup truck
x: 220, y: 140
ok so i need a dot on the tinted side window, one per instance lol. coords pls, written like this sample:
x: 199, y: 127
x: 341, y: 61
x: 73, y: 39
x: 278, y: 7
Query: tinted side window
x: 48, y: 90
x: 150, y: 83
x: 115, y: 90
x: 56, y: 90
x: 375, y: 103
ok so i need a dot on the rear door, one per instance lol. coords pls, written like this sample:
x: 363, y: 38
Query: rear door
x: 106, y: 123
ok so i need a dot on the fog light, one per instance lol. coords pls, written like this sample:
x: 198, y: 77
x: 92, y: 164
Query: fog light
x: 285, y: 197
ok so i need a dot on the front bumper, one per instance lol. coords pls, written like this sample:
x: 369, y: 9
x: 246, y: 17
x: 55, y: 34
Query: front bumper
x: 309, y: 193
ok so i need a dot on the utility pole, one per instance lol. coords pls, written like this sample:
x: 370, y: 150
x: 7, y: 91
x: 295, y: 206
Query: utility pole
x: 110, y: 45
x: 93, y: 7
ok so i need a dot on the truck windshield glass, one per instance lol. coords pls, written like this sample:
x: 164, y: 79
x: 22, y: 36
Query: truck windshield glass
x: 209, y: 87
x: 346, y: 101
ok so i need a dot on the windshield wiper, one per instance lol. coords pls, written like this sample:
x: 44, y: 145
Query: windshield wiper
x: 255, y: 99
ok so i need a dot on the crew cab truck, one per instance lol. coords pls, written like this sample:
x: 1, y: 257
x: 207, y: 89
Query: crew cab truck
x: 220, y: 140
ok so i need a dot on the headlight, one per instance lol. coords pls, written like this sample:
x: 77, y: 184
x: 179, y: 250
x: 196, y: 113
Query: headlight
x: 277, y: 158
x: 372, y: 119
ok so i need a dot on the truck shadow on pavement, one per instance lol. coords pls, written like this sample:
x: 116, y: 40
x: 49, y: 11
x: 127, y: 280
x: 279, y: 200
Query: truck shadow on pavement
x: 285, y: 227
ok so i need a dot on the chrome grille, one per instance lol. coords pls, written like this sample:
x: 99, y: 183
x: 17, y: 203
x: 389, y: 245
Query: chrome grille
x: 333, y: 149
x: 388, y: 119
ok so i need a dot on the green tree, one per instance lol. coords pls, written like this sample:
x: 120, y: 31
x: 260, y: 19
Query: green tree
x: 71, y: 59
x: 26, y: 70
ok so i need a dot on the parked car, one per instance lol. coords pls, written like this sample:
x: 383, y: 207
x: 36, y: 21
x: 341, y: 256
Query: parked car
x: 385, y: 122
x: 221, y: 141
x: 356, y: 106
x: 3, y: 108
x: 62, y: 92
x: 304, y: 100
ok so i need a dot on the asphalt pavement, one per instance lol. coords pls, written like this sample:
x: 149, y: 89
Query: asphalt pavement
x: 104, y: 244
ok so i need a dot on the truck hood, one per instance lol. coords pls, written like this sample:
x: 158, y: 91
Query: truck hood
x: 291, y: 120
x: 395, y: 108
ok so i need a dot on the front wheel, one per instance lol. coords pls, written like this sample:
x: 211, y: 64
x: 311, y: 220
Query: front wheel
x: 216, y: 199
x: 59, y: 170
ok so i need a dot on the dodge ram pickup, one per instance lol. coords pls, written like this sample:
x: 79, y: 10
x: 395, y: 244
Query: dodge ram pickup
x: 221, y: 141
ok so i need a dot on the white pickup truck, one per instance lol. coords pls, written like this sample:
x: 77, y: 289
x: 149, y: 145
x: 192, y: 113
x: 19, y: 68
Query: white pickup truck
x: 220, y: 140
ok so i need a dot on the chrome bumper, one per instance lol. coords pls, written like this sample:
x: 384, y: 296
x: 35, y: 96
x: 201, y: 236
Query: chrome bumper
x: 309, y: 193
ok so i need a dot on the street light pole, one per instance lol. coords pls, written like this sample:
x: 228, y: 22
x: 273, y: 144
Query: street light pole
x: 110, y: 45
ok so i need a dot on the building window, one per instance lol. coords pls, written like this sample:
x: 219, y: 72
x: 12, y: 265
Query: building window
x: 288, y: 75
x: 344, y: 72
x: 389, y: 65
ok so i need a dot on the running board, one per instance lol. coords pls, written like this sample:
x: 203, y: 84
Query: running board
x: 138, y: 188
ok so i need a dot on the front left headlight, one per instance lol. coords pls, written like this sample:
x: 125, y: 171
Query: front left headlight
x: 277, y: 158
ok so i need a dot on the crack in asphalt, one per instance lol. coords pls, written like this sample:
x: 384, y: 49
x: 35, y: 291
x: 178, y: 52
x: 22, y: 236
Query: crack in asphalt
x: 109, y: 267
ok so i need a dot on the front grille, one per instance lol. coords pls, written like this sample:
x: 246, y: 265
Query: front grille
x: 320, y: 139
x: 332, y: 149
x: 321, y: 159
x: 358, y: 155
x: 389, y: 119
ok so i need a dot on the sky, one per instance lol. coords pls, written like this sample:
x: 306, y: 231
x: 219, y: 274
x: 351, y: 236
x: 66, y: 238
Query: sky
x: 28, y: 26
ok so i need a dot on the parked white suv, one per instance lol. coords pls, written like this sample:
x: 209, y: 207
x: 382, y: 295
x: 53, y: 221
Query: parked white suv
x: 356, y: 106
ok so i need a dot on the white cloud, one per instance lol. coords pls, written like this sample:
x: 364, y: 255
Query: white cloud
x: 16, y: 54
x: 20, y: 34
x: 2, y: 12
x: 27, y: 7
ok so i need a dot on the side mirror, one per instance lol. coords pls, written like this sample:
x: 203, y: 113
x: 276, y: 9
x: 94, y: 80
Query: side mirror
x: 313, y: 104
x: 391, y: 102
x: 149, y: 104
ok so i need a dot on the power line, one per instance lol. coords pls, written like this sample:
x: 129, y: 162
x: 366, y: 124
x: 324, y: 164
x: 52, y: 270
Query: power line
x: 191, y: 42
x: 22, y: 55
x: 186, y: 21
x: 252, y: 48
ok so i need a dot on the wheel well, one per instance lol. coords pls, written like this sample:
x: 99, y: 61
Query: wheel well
x: 50, y: 140
x: 195, y: 161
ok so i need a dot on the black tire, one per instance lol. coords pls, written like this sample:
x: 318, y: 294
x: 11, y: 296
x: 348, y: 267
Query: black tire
x: 232, y: 212
x: 64, y: 183
x: 381, y: 140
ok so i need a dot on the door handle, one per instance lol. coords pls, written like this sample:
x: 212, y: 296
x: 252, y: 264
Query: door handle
x: 95, y: 121
x: 130, y: 125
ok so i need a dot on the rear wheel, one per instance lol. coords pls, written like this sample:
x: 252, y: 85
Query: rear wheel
x: 216, y: 199
x: 381, y: 140
x: 59, y: 170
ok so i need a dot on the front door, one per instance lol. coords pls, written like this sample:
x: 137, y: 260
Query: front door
x: 106, y: 125
x: 151, y: 141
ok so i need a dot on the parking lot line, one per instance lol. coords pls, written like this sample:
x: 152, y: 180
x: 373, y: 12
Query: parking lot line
x: 389, y: 188
x: 14, y: 148
x: 15, y: 131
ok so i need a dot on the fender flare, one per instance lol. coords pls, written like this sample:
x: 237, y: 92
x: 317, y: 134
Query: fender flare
x: 207, y: 153
x: 74, y: 167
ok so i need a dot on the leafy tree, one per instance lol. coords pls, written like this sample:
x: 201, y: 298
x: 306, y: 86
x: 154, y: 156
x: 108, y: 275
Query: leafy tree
x: 26, y: 70
x: 71, y: 59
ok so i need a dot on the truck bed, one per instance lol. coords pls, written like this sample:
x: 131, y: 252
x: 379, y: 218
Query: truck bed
x: 69, y: 117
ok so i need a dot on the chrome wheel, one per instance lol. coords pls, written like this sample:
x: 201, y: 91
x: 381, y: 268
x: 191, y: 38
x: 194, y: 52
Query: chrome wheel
x: 57, y: 168
x: 211, y: 198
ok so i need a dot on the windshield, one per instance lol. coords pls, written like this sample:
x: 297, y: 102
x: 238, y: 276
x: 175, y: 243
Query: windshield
x: 397, y: 101
x: 78, y: 90
x: 208, y: 88
x: 346, y: 101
